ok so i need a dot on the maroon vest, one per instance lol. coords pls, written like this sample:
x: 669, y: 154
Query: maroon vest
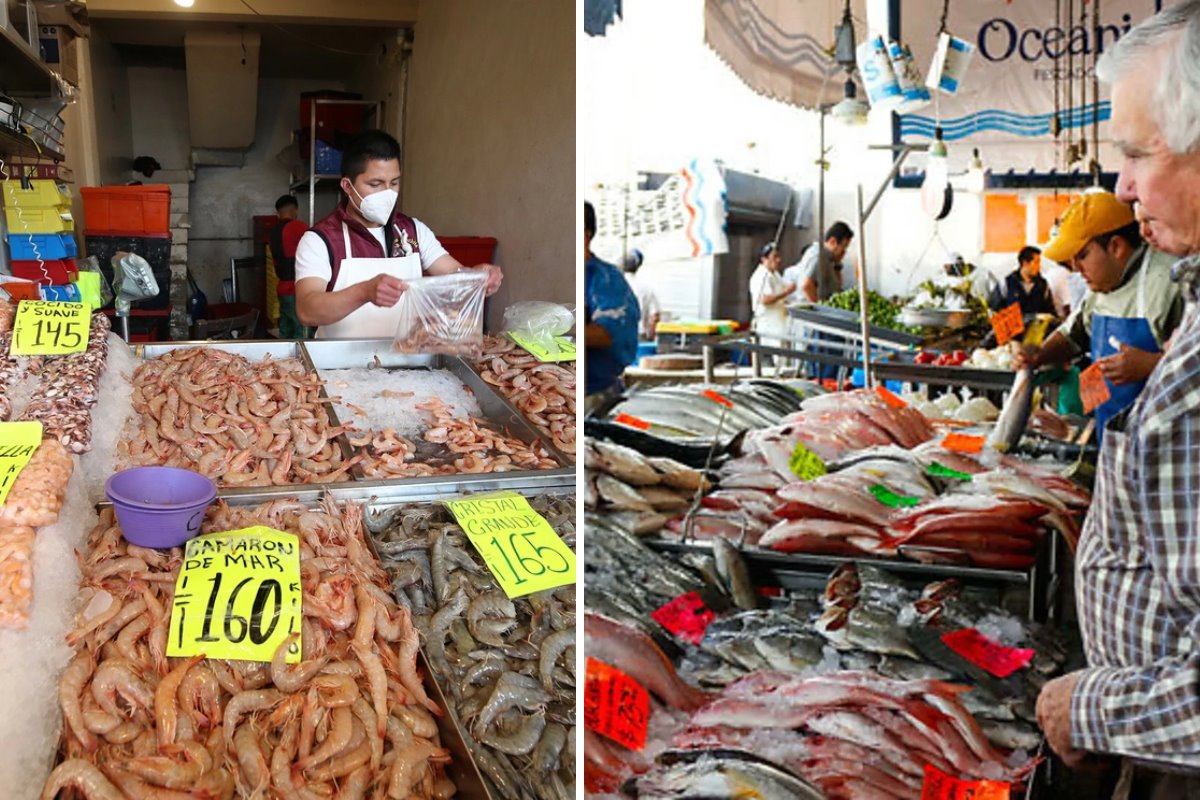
x: 362, y: 243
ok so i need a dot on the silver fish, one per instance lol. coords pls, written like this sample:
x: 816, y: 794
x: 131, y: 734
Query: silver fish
x: 621, y: 495
x: 735, y: 577
x: 1015, y: 414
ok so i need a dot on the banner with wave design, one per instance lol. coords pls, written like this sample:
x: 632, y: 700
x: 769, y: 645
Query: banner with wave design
x: 993, y: 119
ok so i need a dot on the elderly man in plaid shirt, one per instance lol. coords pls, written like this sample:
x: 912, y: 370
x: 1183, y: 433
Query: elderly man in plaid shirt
x: 1138, y: 565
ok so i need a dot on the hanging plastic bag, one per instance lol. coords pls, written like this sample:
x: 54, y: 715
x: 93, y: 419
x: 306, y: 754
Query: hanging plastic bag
x: 92, y: 283
x: 539, y: 324
x: 442, y: 314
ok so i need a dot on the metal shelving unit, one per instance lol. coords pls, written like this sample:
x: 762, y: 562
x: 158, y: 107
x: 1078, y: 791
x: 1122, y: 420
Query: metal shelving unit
x: 314, y: 179
x: 22, y: 70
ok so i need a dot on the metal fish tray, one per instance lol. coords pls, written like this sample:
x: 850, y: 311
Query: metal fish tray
x: 360, y: 353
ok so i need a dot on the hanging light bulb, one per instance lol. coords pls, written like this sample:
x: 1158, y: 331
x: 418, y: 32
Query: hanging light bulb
x: 976, y: 178
x: 185, y: 3
x: 850, y: 110
x: 936, y: 195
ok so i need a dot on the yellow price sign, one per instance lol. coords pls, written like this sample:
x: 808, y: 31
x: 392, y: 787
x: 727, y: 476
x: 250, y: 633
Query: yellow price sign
x: 565, y: 351
x: 806, y: 464
x: 238, y: 596
x: 18, y: 442
x: 48, y: 327
x: 520, y: 548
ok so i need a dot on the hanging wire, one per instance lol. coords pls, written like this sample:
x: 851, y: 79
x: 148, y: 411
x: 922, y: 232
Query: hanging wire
x: 1096, y: 168
x: 945, y: 14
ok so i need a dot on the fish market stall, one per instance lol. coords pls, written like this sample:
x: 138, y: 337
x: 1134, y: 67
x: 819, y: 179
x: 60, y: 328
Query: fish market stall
x: 810, y: 574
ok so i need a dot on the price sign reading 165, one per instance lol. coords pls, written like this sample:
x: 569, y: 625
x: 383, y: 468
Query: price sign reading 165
x: 519, y: 547
x: 238, y: 596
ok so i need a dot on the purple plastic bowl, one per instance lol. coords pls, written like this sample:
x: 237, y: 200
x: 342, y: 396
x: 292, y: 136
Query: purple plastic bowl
x: 160, y: 506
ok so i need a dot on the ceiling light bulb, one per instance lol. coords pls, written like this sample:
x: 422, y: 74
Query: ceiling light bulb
x: 850, y: 110
x: 185, y: 3
x: 976, y: 180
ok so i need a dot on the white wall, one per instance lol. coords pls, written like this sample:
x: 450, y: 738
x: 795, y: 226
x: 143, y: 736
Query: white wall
x: 159, y: 104
x: 110, y: 93
x: 490, y: 137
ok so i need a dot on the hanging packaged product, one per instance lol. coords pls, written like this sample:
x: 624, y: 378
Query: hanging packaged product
x: 916, y: 96
x: 883, y: 90
x: 538, y: 327
x: 442, y: 314
x: 950, y: 61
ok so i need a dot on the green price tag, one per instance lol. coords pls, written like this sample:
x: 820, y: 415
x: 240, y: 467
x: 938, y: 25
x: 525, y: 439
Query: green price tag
x: 806, y: 464
x: 18, y: 442
x: 945, y: 472
x: 890, y: 498
x: 564, y: 352
x: 48, y: 327
x: 237, y: 596
x: 519, y: 547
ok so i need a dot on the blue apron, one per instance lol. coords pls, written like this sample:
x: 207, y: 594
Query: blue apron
x: 1108, y: 333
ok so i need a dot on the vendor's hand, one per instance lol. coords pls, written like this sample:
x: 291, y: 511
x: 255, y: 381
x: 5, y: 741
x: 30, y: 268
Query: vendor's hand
x: 1130, y: 365
x: 384, y: 290
x: 495, y: 277
x: 1054, y: 717
x: 1026, y: 358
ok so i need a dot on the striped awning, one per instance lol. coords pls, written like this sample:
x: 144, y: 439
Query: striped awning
x: 782, y: 48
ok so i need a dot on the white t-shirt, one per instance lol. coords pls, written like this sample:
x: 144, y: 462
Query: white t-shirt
x: 647, y: 302
x: 768, y: 317
x: 312, y: 257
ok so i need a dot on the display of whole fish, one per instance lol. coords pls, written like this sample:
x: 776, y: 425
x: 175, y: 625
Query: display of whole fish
x: 657, y: 489
x: 684, y: 413
x: 507, y: 666
x: 718, y: 774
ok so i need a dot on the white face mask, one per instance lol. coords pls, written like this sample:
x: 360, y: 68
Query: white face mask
x: 377, y: 207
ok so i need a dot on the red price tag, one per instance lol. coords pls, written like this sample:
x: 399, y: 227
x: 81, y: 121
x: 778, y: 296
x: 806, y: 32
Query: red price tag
x: 940, y: 786
x: 992, y: 656
x: 890, y: 397
x: 631, y: 421
x: 615, y: 705
x: 1093, y: 391
x: 717, y: 398
x: 686, y: 616
x: 1008, y: 323
x: 963, y: 443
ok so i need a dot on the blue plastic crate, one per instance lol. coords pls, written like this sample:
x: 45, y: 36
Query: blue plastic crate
x: 895, y: 387
x: 329, y: 159
x: 49, y: 246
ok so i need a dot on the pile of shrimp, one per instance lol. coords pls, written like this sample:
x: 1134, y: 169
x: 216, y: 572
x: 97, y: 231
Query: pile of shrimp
x: 470, y: 447
x: 239, y: 422
x: 34, y: 500
x: 544, y: 393
x: 68, y: 387
x: 508, y: 666
x: 350, y: 720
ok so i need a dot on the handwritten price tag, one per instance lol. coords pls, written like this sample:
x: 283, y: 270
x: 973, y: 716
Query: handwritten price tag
x: 18, y: 442
x: 1008, y: 323
x: 890, y: 498
x: 940, y: 786
x: 564, y: 351
x: 520, y: 548
x: 1093, y: 390
x: 615, y: 705
x: 987, y: 654
x: 890, y: 397
x: 632, y: 422
x: 686, y: 616
x: 806, y: 464
x: 963, y: 443
x: 46, y: 328
x: 717, y: 398
x: 237, y: 596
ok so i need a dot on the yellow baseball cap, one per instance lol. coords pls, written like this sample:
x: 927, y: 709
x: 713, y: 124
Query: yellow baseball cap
x: 1089, y: 215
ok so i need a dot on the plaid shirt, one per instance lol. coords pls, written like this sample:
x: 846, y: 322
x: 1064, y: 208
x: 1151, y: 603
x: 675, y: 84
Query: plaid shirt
x: 1138, y: 568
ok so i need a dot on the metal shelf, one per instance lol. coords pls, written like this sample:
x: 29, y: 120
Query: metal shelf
x: 312, y: 181
x: 22, y: 71
x: 15, y: 143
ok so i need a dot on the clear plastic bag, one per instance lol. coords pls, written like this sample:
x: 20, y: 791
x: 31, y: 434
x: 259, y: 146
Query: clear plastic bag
x: 442, y: 314
x: 539, y: 321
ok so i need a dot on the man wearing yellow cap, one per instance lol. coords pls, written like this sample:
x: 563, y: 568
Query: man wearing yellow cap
x: 1132, y: 309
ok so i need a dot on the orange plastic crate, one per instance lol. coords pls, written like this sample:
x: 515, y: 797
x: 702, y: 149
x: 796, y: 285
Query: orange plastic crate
x: 126, y: 210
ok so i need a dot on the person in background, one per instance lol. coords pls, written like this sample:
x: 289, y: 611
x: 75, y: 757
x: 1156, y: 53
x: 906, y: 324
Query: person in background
x: 1057, y: 277
x: 281, y: 265
x: 351, y: 267
x: 958, y: 270
x: 650, y: 308
x: 611, y: 321
x: 1137, y: 571
x: 1025, y: 286
x: 1133, y: 307
x: 818, y: 273
x: 768, y: 298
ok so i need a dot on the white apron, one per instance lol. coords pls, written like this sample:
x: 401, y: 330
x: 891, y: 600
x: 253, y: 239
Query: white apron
x: 369, y: 321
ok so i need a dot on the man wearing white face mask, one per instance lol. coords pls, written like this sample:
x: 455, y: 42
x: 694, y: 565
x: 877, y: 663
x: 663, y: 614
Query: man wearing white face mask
x: 351, y: 267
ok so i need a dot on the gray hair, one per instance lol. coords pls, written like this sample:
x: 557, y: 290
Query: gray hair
x: 1176, y: 103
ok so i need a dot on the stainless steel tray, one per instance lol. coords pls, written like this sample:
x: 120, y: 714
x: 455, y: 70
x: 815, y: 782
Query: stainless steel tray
x: 935, y: 317
x: 358, y: 353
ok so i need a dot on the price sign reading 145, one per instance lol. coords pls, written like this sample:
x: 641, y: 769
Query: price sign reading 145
x: 520, y: 548
x: 238, y: 596
x: 43, y: 328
